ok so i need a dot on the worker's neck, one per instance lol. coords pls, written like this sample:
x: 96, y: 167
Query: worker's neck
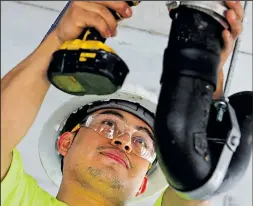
x: 74, y: 194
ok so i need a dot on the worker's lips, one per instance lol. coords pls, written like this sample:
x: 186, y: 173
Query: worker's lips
x: 117, y: 156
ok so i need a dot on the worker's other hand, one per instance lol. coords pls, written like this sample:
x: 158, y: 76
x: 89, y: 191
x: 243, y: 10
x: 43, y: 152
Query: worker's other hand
x: 81, y: 14
x: 234, y: 17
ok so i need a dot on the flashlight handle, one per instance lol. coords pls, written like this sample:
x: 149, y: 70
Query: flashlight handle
x: 91, y: 33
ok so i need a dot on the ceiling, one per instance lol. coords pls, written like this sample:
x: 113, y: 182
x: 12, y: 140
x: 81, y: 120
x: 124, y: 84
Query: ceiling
x: 140, y: 42
x: 152, y: 17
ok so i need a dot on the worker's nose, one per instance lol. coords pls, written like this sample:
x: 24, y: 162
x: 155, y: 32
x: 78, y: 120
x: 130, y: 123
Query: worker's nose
x: 123, y: 142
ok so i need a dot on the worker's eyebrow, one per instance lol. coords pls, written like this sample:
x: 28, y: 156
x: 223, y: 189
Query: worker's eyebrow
x: 115, y: 113
x: 139, y: 128
x: 146, y: 130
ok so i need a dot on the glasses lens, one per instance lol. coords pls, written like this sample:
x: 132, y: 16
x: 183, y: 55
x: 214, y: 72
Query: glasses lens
x: 143, y: 145
x: 111, y: 126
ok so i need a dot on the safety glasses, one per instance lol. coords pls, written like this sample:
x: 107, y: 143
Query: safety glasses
x: 114, y: 128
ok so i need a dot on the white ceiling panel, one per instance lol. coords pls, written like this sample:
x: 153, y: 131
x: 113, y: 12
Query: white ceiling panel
x: 23, y: 27
x: 152, y: 16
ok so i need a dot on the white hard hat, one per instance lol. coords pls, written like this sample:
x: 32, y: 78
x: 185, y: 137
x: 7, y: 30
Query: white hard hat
x: 50, y: 158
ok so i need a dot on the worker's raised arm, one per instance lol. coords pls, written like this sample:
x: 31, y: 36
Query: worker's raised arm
x: 22, y: 92
x: 25, y: 86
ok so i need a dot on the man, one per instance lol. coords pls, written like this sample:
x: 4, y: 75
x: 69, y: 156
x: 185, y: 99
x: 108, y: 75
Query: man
x: 108, y: 153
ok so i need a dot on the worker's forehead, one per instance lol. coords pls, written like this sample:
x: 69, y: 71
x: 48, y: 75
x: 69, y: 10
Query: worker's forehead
x: 128, y: 117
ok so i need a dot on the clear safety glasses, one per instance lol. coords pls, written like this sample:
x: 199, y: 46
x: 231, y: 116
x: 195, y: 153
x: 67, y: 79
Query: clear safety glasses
x: 113, y: 127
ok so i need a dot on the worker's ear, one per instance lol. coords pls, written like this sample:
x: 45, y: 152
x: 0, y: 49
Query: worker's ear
x: 143, y: 187
x: 65, y: 142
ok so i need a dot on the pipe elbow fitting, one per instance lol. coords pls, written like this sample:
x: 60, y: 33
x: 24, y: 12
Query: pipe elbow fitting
x: 180, y: 127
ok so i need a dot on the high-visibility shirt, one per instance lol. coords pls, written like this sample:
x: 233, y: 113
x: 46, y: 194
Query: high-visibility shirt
x: 20, y: 189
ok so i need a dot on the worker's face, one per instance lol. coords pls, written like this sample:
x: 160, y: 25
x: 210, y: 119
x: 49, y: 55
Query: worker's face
x: 110, y: 165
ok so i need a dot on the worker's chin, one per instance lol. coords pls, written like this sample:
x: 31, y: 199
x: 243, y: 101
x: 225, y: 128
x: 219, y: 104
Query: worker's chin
x: 106, y: 176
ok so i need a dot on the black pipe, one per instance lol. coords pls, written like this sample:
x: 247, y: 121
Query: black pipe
x: 189, y: 79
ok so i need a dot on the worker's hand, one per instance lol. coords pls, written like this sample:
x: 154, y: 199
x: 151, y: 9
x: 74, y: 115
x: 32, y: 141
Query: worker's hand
x: 234, y: 16
x: 81, y: 14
